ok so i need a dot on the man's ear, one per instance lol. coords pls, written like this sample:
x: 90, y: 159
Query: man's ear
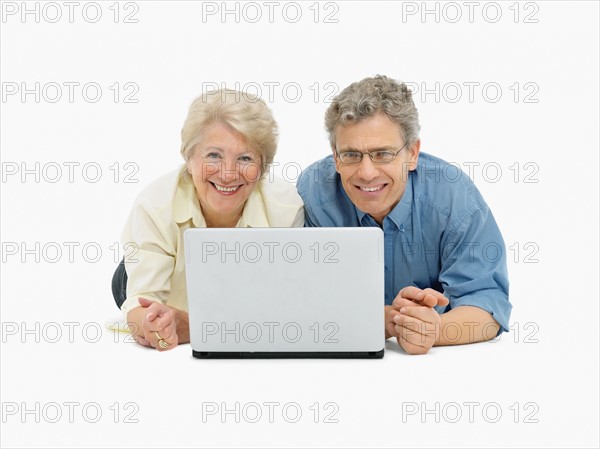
x: 414, y: 155
x: 336, y: 159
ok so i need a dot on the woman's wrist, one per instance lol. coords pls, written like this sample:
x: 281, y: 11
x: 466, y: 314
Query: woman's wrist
x: 182, y: 323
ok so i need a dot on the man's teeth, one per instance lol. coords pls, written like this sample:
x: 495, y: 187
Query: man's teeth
x: 371, y: 189
x: 226, y: 189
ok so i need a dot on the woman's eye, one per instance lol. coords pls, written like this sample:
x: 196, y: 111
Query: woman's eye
x: 213, y: 156
x: 246, y: 159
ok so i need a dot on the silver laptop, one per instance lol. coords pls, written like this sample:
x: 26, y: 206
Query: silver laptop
x: 285, y: 292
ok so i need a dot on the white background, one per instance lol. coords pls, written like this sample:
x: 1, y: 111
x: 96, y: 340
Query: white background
x: 547, y: 365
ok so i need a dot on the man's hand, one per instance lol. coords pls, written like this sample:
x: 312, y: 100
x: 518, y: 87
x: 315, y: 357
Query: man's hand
x: 412, y: 319
x: 390, y: 324
x: 427, y: 297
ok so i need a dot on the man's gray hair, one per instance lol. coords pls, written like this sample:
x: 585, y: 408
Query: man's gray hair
x: 369, y: 97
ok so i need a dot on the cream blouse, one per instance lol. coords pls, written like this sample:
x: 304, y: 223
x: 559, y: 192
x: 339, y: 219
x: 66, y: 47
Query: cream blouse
x: 154, y: 258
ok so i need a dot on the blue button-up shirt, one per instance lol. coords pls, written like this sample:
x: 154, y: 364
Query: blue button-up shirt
x: 441, y: 234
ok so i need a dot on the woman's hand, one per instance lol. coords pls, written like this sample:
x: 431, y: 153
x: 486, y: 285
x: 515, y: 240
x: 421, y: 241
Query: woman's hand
x: 158, y: 326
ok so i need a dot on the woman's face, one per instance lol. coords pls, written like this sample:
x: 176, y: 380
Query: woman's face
x: 225, y: 171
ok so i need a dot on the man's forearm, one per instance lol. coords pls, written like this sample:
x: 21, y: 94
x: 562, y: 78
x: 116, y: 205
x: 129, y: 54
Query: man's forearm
x: 466, y: 324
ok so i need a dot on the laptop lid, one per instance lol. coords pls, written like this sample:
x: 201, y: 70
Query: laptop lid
x: 285, y: 292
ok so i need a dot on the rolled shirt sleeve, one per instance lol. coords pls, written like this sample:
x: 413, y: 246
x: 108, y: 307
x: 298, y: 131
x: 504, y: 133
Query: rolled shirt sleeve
x: 473, y: 265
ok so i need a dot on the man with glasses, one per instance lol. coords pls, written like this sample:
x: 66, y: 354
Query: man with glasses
x: 446, y: 280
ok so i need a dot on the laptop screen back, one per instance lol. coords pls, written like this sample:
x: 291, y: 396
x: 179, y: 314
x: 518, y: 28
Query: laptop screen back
x: 285, y: 290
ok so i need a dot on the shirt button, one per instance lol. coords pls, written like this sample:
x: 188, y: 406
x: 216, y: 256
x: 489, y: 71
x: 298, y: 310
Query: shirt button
x: 401, y: 228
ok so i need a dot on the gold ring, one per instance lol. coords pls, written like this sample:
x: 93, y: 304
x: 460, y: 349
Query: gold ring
x: 163, y: 344
x: 158, y: 337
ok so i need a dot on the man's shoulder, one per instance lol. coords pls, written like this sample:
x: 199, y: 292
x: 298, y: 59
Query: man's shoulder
x: 438, y: 167
x: 445, y: 187
x: 318, y: 183
x: 325, y: 200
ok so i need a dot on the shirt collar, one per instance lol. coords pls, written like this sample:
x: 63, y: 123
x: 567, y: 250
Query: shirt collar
x: 187, y: 207
x: 400, y: 213
x: 254, y: 214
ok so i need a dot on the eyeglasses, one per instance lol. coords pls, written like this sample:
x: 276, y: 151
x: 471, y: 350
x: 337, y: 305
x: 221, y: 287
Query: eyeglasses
x: 377, y: 156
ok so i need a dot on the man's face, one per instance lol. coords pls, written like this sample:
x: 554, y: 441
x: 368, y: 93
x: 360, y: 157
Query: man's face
x: 375, y: 188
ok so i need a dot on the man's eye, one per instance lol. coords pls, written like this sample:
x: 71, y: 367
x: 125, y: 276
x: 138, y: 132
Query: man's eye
x: 351, y: 154
x: 382, y: 155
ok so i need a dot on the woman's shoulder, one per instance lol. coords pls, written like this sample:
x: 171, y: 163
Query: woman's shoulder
x: 277, y: 191
x: 151, y: 217
x: 161, y: 191
x: 280, y: 204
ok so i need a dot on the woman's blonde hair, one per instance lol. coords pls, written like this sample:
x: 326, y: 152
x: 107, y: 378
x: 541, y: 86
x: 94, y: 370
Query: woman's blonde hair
x: 242, y: 111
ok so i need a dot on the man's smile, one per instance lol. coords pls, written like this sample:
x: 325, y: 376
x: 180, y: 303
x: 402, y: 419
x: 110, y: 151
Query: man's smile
x: 372, y: 189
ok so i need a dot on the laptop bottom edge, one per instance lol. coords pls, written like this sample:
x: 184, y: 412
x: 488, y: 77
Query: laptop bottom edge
x: 288, y: 355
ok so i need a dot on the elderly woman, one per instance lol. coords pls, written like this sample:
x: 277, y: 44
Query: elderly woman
x: 228, y: 141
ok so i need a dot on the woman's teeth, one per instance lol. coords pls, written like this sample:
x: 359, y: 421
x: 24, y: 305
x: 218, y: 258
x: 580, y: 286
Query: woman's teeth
x: 226, y: 189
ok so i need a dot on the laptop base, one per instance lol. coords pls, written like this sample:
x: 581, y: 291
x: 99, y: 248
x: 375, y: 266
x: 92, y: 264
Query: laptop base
x: 288, y: 355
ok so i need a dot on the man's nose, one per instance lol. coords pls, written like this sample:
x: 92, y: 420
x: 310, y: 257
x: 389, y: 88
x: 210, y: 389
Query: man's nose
x: 367, y: 170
